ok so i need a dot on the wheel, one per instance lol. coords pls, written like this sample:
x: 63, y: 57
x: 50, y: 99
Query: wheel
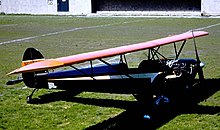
x: 28, y: 99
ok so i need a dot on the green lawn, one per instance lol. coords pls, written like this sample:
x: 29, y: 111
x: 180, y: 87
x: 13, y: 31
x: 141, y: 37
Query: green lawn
x: 58, y: 36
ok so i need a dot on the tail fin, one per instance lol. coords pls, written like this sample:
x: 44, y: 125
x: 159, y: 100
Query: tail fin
x: 34, y: 79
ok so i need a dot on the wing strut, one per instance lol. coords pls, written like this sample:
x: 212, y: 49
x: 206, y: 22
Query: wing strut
x: 91, y: 69
x: 177, y: 53
x: 175, y: 49
x: 154, y: 52
x: 123, y: 61
x: 180, y: 50
x: 114, y: 67
x: 83, y: 72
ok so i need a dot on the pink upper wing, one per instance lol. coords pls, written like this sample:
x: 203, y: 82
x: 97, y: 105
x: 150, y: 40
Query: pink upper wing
x: 69, y: 60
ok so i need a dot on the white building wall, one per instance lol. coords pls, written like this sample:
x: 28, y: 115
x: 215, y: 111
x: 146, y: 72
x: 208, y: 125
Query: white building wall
x: 210, y: 7
x: 76, y: 7
x: 51, y: 6
x: 25, y: 6
x: 82, y: 7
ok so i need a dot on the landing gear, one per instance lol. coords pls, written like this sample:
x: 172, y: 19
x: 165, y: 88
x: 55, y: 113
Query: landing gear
x: 29, y: 98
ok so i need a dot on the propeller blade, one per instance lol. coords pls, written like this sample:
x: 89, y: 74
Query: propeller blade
x: 200, y: 72
x: 199, y: 67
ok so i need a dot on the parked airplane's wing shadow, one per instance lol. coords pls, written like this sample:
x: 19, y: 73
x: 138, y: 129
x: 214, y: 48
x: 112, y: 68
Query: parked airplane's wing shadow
x: 134, y: 114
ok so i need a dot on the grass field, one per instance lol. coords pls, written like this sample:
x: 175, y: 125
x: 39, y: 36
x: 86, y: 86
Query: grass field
x: 58, y: 36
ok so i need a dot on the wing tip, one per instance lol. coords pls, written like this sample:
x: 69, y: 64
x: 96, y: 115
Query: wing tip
x: 13, y: 72
x: 10, y: 73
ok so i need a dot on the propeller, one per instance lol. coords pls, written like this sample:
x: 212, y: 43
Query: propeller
x: 199, y: 63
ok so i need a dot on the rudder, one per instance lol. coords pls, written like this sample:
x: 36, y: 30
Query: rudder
x: 34, y: 79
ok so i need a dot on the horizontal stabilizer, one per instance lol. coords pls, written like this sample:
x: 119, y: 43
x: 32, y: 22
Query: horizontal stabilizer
x: 12, y: 82
x: 39, y: 66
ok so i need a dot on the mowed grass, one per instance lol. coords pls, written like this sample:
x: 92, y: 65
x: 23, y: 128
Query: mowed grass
x: 57, y: 36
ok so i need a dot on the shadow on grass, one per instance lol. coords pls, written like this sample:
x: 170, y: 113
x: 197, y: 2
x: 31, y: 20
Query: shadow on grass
x: 133, y: 117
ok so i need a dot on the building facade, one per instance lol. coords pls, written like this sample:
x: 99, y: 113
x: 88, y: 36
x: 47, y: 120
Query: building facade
x: 46, y: 7
x: 210, y: 7
x: 85, y: 7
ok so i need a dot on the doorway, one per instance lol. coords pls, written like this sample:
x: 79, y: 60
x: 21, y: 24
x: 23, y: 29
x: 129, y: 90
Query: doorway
x: 146, y: 5
x: 62, y: 5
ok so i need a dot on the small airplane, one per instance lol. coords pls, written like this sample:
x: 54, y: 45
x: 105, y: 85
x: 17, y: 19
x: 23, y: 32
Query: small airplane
x: 152, y: 78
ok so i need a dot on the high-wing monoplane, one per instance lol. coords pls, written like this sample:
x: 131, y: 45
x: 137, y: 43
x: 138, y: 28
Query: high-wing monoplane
x: 153, y: 77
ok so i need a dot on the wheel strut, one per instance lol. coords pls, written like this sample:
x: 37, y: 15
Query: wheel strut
x: 29, y: 98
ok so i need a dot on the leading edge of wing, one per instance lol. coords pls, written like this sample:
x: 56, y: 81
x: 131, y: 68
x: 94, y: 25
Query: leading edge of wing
x: 78, y: 58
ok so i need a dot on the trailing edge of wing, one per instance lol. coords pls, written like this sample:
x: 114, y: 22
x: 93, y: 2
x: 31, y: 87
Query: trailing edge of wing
x: 69, y: 60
